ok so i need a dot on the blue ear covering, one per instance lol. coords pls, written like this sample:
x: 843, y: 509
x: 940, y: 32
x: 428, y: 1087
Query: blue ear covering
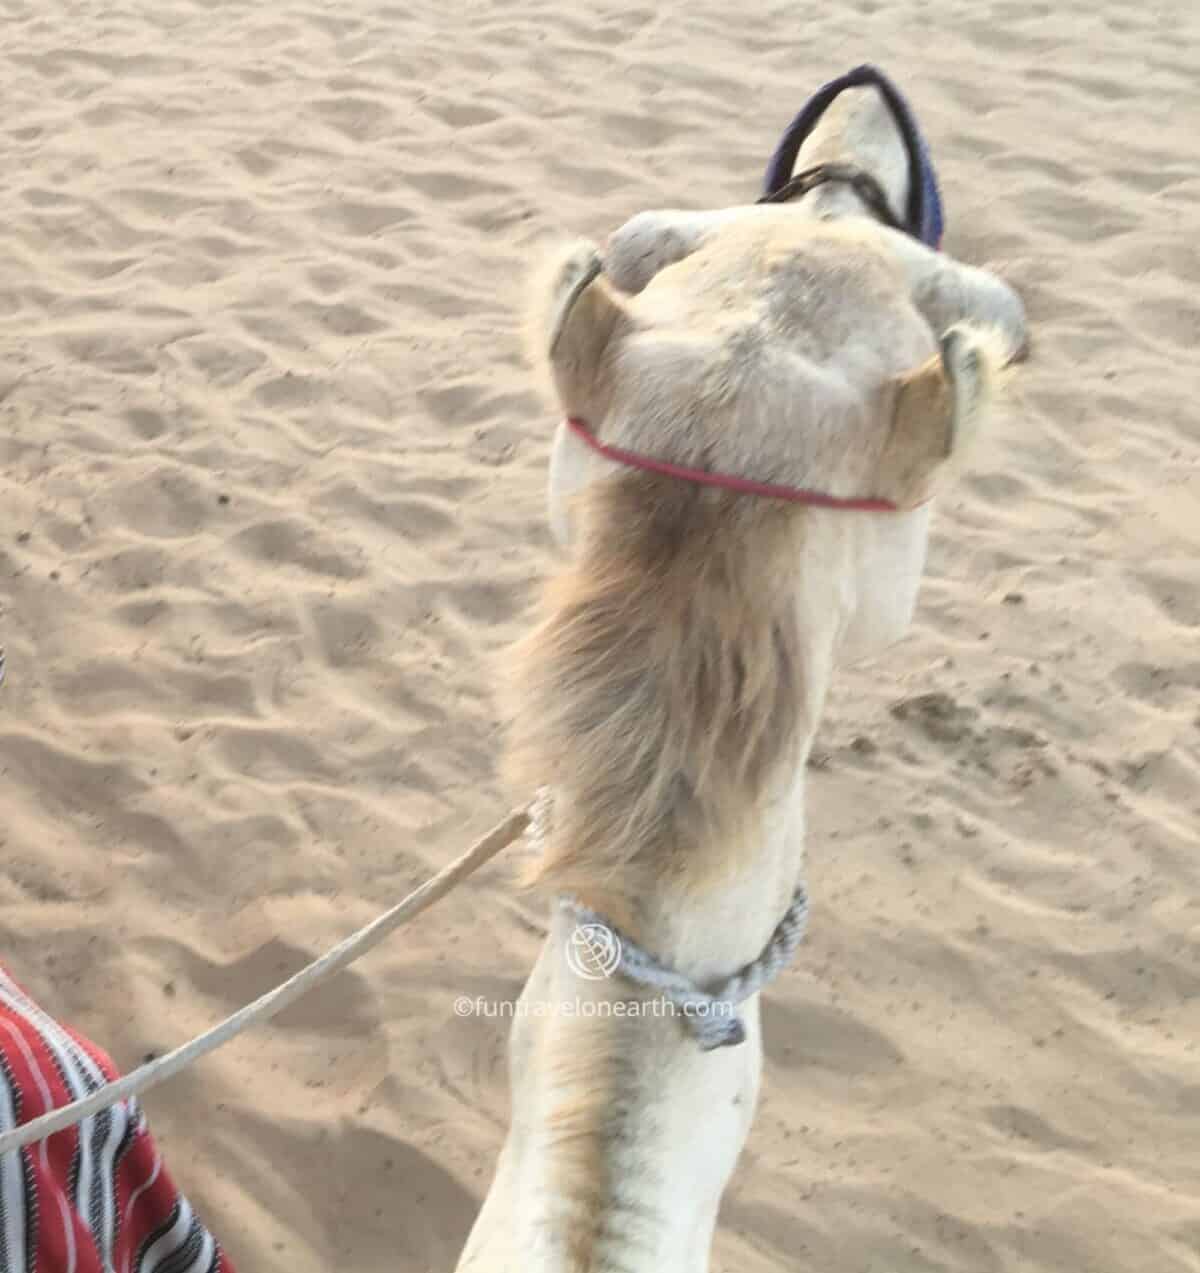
x: 923, y: 216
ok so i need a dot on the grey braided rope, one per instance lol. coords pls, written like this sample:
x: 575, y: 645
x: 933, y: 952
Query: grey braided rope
x: 710, y: 1016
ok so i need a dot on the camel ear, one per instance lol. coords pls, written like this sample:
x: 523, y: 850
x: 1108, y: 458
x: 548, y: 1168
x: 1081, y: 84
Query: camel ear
x: 938, y: 409
x: 577, y: 317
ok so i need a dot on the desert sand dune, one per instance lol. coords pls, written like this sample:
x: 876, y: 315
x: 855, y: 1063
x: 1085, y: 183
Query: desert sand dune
x: 272, y: 475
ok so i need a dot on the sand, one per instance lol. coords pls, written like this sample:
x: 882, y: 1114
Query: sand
x: 272, y: 471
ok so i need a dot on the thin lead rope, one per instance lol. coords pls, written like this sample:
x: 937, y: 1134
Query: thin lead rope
x: 710, y: 1016
x: 274, y: 1001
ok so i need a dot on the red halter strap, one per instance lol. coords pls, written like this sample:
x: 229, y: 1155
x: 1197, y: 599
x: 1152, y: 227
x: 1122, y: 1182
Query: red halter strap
x: 726, y: 482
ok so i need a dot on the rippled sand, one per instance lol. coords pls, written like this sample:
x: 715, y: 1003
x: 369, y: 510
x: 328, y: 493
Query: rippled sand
x: 272, y: 471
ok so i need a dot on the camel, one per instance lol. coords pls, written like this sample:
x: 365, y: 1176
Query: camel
x: 670, y: 691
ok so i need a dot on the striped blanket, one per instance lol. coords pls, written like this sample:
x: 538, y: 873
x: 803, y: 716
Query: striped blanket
x: 95, y: 1198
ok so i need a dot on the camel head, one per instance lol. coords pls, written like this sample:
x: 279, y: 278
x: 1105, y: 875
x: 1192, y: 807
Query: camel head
x: 780, y: 349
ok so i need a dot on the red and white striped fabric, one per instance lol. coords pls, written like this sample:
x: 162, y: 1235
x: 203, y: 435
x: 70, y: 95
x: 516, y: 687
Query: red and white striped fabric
x: 95, y: 1198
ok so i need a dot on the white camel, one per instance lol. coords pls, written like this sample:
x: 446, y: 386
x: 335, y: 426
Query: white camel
x: 670, y: 693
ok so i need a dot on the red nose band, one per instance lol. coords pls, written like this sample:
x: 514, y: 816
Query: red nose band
x: 725, y: 481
